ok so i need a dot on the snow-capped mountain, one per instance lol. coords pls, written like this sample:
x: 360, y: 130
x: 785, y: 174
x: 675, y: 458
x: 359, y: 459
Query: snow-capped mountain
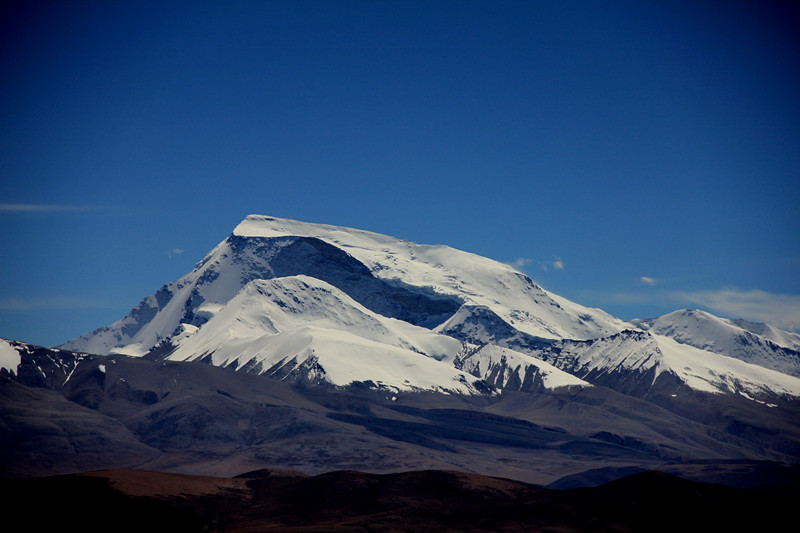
x: 457, y: 276
x: 760, y: 344
x: 511, y: 370
x: 634, y: 361
x: 324, y: 304
x: 300, y: 328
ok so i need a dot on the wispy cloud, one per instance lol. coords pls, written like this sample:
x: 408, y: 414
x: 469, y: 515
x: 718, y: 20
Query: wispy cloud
x: 174, y: 251
x: 556, y: 263
x: 49, y: 208
x: 782, y: 310
x: 520, y: 263
x: 648, y: 280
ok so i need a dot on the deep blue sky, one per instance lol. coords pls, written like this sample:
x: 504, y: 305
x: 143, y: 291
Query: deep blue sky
x: 635, y: 156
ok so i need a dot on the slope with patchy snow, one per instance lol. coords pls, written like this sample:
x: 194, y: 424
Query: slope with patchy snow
x: 507, y: 369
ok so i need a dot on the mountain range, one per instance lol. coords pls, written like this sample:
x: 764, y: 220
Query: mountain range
x: 315, y: 348
x: 325, y: 304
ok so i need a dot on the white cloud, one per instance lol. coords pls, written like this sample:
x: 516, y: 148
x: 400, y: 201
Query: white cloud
x: 174, y: 251
x: 556, y: 263
x: 781, y: 310
x: 520, y: 263
x: 648, y: 280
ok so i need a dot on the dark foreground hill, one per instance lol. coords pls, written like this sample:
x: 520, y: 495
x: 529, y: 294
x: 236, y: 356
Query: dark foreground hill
x: 431, y: 500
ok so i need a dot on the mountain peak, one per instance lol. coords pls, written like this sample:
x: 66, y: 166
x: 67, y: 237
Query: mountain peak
x: 328, y: 304
x: 759, y: 344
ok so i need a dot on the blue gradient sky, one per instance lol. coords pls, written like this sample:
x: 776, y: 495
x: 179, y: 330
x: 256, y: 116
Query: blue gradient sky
x: 635, y: 156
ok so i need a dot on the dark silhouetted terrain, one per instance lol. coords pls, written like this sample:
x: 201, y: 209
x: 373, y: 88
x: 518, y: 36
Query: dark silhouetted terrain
x: 441, y: 501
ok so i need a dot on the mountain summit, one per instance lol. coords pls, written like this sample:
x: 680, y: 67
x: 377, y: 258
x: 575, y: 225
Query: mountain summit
x: 316, y: 348
x: 327, y: 305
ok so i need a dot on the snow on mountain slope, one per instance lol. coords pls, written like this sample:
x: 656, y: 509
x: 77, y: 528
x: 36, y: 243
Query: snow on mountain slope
x: 759, y: 344
x: 423, y: 285
x: 780, y: 337
x: 198, y: 295
x: 475, y: 280
x: 310, y: 354
x: 192, y: 299
x: 704, y: 370
x: 322, y: 303
x: 477, y: 324
x: 277, y: 305
x: 511, y: 370
x: 300, y: 327
x: 9, y: 357
x: 633, y: 361
x: 37, y: 366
